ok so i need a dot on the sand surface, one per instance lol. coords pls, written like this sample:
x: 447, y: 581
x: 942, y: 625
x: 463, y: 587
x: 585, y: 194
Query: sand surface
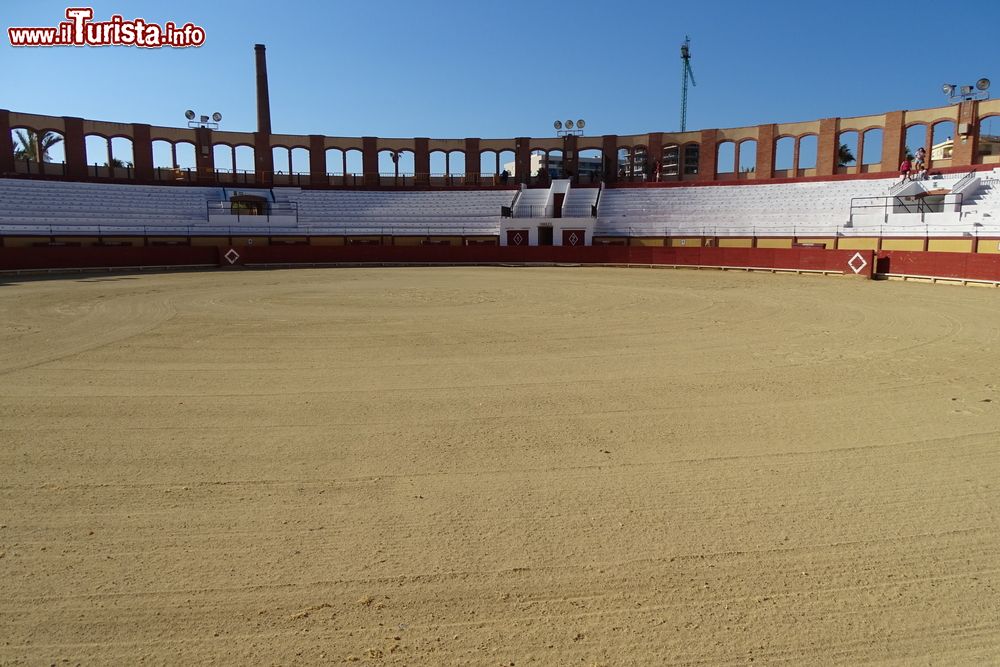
x: 489, y: 466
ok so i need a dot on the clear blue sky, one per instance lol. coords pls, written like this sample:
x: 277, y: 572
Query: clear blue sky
x: 497, y: 69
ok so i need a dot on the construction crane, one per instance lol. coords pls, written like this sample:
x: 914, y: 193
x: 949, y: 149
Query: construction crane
x: 686, y: 74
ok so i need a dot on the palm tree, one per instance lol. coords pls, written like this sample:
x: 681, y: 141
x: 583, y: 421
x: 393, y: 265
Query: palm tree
x: 844, y: 156
x: 115, y: 162
x: 34, y: 144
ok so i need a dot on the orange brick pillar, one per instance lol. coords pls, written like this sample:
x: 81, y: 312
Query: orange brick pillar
x: 142, y: 152
x: 707, y: 155
x: 369, y: 161
x: 827, y: 147
x: 317, y: 160
x: 571, y: 163
x: 609, y: 150
x: 893, y: 138
x: 472, y: 161
x: 204, y: 156
x: 421, y: 161
x: 6, y: 144
x: 965, y: 147
x: 522, y: 159
x: 765, y: 151
x: 75, y: 148
x: 654, y: 153
x: 263, y: 158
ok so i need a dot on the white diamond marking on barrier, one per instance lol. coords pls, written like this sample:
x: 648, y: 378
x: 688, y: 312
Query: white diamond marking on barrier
x: 517, y: 239
x: 232, y: 256
x: 859, y: 260
x: 573, y: 239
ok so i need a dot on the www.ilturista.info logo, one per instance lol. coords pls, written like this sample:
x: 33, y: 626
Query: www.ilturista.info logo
x: 81, y: 30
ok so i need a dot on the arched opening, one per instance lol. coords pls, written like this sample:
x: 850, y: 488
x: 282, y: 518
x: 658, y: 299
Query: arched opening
x: 300, y: 164
x: 871, y: 149
x: 336, y: 162
x: 808, y: 148
x: 122, y: 157
x: 353, y: 166
x: 942, y: 143
x: 455, y: 166
x: 38, y: 151
x: 438, y: 167
x: 281, y: 158
x: 185, y: 155
x: 670, y: 162
x: 555, y: 168
x: 847, y: 152
x: 508, y: 162
x: 692, y: 159
x: 98, y: 150
x: 246, y: 164
x: 988, y: 151
x: 224, y: 159
x: 915, y: 139
x: 590, y: 165
x: 784, y: 156
x: 725, y: 158
x: 489, y: 164
x: 395, y: 167
x: 747, y: 158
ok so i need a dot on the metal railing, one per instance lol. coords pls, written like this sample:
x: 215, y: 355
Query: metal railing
x: 906, y: 204
x: 254, y: 212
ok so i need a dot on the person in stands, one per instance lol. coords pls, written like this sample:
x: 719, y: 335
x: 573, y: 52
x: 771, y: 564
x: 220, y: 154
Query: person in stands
x: 904, y: 170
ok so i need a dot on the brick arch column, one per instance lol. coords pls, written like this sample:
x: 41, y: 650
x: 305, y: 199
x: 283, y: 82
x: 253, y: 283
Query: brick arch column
x: 142, y: 152
x: 765, y: 151
x: 317, y: 160
x: 893, y: 141
x: 369, y: 161
x: 654, y: 152
x: 472, y: 161
x: 75, y: 148
x: 204, y: 156
x: 522, y: 159
x: 263, y: 158
x: 6, y: 144
x: 964, y: 147
x: 422, y: 161
x: 609, y: 152
x: 571, y: 164
x: 827, y: 147
x: 708, y: 155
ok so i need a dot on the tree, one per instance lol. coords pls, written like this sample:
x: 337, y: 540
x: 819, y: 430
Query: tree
x: 33, y: 144
x: 844, y: 156
x: 115, y: 162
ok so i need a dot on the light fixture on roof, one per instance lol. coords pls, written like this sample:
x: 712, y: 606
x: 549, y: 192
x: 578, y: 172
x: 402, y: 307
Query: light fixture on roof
x: 569, y: 128
x: 203, y: 121
x: 970, y: 93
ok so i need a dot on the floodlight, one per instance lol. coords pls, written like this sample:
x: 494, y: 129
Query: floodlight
x: 216, y: 116
x: 948, y: 88
x: 557, y: 124
x: 580, y: 124
x: 189, y: 114
x: 569, y: 125
x: 966, y: 90
x: 983, y: 83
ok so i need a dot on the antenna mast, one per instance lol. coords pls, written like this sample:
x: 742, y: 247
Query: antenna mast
x: 685, y: 74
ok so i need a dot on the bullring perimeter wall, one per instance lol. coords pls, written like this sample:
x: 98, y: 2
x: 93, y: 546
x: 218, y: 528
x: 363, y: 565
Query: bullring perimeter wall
x: 812, y: 260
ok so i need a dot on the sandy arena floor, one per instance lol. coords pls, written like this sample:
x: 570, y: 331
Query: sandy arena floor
x: 498, y: 467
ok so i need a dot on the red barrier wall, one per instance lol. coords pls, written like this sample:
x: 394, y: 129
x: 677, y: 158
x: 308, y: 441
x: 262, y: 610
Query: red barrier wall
x: 58, y: 257
x: 959, y: 265
x: 68, y: 257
